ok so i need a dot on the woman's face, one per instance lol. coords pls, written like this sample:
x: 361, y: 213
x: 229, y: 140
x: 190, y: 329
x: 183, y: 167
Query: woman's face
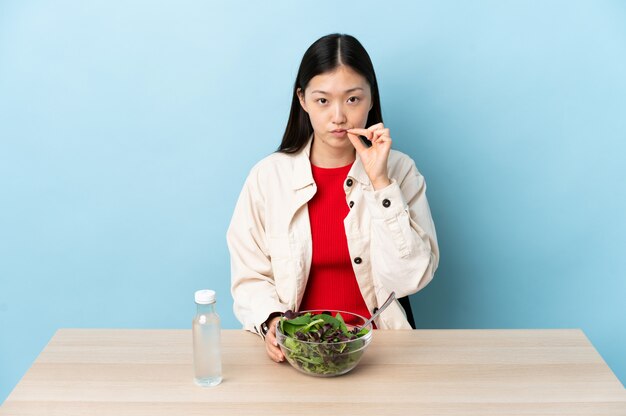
x: 336, y: 101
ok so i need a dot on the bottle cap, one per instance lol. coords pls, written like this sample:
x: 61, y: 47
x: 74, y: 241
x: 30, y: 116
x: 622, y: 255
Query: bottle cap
x: 204, y: 297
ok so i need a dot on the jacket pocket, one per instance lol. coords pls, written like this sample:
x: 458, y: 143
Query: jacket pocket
x: 283, y: 267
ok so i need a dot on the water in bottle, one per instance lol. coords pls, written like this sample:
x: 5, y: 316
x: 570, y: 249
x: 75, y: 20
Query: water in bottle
x: 207, y: 360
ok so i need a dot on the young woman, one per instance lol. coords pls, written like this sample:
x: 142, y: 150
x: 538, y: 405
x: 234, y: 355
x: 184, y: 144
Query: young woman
x: 334, y: 219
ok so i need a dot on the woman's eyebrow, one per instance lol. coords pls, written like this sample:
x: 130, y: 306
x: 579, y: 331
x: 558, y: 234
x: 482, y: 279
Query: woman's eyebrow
x: 350, y: 90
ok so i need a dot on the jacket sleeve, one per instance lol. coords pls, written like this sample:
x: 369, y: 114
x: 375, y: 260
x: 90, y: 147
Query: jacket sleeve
x: 404, y: 252
x: 252, y: 281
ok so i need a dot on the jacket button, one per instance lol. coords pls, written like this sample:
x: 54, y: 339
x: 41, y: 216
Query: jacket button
x: 386, y: 203
x: 357, y: 260
x: 351, y: 204
x: 349, y: 182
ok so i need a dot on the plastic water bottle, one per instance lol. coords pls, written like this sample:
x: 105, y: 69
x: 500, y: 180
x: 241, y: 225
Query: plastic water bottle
x: 207, y: 360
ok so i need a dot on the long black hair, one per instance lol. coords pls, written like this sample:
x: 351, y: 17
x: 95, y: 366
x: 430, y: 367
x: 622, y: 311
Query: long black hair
x: 325, y: 55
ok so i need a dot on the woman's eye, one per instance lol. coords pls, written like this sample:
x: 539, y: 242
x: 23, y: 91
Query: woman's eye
x: 321, y: 100
x: 353, y: 99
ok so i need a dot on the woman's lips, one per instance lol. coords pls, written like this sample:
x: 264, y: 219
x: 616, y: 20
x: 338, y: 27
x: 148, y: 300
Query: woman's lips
x: 338, y: 133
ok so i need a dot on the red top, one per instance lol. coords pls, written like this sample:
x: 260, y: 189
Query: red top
x: 332, y: 283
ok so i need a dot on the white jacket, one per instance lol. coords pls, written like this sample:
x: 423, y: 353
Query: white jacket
x: 390, y: 232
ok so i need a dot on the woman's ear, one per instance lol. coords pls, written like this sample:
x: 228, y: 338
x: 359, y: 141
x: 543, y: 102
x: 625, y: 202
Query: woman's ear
x: 300, y: 95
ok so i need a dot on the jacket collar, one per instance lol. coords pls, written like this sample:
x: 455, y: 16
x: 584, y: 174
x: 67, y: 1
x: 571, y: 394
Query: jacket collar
x: 303, y: 177
x: 358, y: 172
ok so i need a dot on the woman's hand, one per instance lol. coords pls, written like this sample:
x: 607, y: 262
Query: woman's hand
x: 374, y: 158
x: 271, y: 345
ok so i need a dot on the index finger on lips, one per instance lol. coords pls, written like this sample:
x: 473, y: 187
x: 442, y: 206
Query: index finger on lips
x: 360, y: 132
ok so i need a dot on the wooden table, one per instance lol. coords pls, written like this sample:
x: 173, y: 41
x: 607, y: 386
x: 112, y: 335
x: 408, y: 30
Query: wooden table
x: 442, y: 372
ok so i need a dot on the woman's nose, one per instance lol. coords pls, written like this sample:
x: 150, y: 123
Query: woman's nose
x: 339, y: 116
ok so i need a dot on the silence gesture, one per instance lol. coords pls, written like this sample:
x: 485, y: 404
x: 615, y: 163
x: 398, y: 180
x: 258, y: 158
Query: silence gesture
x: 374, y: 158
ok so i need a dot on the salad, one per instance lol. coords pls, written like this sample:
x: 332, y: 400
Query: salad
x: 321, y: 344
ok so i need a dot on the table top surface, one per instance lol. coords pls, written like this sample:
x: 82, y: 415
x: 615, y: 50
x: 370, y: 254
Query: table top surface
x: 444, y: 372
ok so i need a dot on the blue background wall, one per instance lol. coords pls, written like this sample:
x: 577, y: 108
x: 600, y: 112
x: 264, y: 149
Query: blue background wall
x: 126, y: 131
